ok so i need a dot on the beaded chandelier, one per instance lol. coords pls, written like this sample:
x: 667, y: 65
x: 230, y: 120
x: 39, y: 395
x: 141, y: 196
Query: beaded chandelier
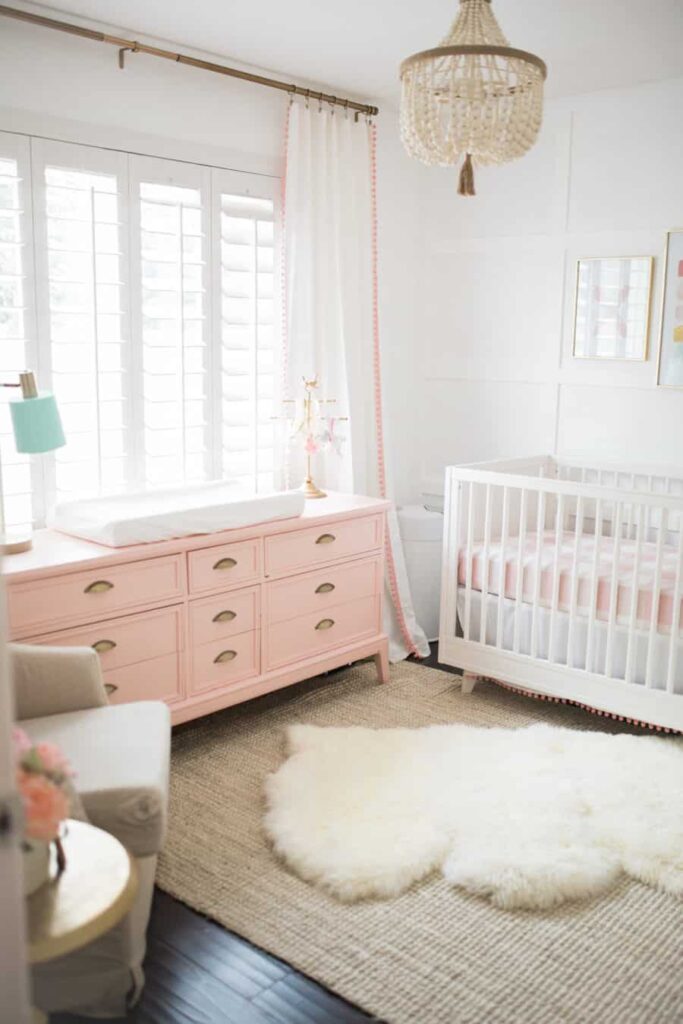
x: 473, y: 96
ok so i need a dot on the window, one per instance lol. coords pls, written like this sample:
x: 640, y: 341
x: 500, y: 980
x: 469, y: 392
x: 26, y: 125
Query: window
x: 157, y: 323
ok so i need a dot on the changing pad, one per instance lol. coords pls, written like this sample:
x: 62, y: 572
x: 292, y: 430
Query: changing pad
x: 161, y: 515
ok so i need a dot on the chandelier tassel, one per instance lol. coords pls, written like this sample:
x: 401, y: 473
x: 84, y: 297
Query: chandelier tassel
x: 466, y: 183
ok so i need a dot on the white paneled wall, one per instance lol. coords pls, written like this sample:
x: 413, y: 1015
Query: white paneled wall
x: 498, y: 279
x: 639, y: 425
x: 480, y: 420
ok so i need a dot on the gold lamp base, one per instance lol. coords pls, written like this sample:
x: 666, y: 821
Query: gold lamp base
x: 14, y: 543
x: 310, y: 490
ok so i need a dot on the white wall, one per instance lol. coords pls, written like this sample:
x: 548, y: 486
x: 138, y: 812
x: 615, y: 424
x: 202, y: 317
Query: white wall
x: 67, y: 88
x: 497, y: 376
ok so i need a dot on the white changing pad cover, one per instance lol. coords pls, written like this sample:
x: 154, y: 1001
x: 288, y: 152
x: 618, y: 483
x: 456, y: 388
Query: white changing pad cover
x: 164, y: 514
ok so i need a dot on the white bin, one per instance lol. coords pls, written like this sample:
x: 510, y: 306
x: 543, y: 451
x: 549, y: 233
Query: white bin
x: 421, y: 532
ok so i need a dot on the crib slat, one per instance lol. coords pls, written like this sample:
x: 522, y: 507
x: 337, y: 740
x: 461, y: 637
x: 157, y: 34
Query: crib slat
x: 635, y: 589
x: 556, y: 576
x: 675, y: 615
x: 502, y: 573
x: 468, y: 575
x: 519, y: 589
x: 631, y: 507
x: 656, y: 588
x: 649, y: 487
x: 578, y: 531
x: 540, y: 531
x: 593, y: 611
x: 614, y: 588
x: 484, y: 595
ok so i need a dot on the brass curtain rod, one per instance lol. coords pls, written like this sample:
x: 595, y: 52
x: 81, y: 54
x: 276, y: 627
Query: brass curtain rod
x: 132, y: 46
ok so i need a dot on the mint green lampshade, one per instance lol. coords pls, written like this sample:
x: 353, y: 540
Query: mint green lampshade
x: 37, y: 425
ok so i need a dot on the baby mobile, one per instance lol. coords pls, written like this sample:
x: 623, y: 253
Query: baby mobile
x: 313, y: 429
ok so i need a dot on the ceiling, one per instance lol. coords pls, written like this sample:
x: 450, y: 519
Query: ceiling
x: 355, y: 46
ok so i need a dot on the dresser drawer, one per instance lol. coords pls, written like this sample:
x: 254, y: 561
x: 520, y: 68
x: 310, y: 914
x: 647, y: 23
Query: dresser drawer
x: 47, y: 604
x: 308, y: 635
x: 127, y: 640
x: 221, y: 567
x: 304, y: 549
x: 225, y: 661
x: 223, y: 615
x: 319, y: 590
x: 156, y: 679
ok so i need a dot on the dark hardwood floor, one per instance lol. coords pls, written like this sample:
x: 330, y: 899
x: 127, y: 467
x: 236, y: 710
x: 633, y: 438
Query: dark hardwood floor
x: 199, y: 973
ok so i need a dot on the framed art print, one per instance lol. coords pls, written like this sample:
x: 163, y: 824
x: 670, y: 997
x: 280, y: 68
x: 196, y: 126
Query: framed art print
x: 670, y: 363
x: 612, y: 314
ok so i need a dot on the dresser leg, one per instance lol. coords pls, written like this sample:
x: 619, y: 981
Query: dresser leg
x: 382, y: 662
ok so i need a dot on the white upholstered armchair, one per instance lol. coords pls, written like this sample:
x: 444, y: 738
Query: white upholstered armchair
x: 120, y: 754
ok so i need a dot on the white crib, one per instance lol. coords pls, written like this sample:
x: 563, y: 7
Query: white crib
x: 588, y: 605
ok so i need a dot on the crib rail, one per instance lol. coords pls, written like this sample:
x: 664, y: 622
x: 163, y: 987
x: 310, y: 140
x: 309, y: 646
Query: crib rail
x: 579, y: 580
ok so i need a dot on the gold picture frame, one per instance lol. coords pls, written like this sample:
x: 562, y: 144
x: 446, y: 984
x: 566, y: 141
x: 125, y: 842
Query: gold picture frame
x: 670, y: 353
x: 612, y: 308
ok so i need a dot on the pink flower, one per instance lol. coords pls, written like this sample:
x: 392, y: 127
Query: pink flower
x: 45, y: 805
x: 311, y: 445
x: 52, y: 759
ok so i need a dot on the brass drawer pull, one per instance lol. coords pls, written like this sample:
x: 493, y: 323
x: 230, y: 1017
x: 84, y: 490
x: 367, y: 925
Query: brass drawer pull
x: 102, y: 646
x: 325, y: 624
x: 225, y: 563
x: 324, y: 588
x: 226, y: 616
x: 326, y: 538
x: 225, y: 656
x: 98, y: 587
x: 110, y: 688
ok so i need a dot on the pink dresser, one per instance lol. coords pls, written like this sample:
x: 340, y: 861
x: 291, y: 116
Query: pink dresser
x: 212, y: 620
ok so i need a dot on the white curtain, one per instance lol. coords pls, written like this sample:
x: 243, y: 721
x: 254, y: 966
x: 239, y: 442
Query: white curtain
x: 331, y: 325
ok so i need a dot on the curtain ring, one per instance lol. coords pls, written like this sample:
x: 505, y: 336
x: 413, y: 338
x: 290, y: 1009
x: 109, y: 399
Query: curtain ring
x: 308, y: 99
x: 346, y: 109
x: 333, y: 103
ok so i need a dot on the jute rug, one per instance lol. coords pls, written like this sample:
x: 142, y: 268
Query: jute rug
x: 434, y: 955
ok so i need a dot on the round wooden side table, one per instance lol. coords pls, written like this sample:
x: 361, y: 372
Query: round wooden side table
x: 97, y: 889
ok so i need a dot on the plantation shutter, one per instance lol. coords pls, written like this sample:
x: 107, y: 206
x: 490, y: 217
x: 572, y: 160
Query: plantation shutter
x: 152, y: 312
x: 248, y: 316
x: 83, y: 323
x: 171, y: 320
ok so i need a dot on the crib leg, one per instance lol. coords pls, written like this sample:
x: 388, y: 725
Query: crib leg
x: 469, y: 681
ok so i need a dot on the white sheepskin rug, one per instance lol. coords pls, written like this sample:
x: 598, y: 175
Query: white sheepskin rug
x: 528, y: 817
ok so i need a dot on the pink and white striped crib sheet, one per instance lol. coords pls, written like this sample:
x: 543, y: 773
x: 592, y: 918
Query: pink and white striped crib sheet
x: 584, y: 571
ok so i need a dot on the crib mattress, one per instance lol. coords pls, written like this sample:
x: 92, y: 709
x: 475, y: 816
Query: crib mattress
x: 491, y: 580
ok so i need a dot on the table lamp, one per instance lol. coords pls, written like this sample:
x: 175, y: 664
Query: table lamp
x: 37, y: 428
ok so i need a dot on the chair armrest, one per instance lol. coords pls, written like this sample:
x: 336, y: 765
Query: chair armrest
x: 52, y: 680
